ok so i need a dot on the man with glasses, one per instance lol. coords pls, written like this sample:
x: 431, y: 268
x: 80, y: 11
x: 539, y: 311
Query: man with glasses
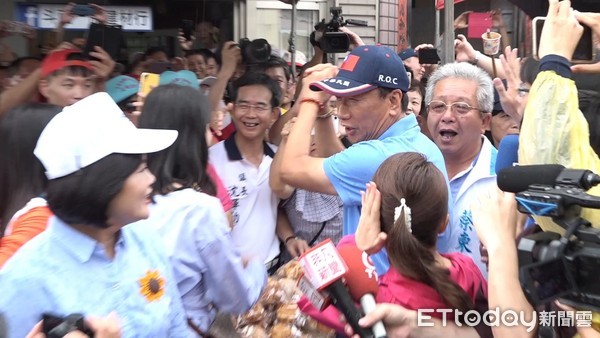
x: 459, y: 101
x: 243, y: 161
x: 370, y: 87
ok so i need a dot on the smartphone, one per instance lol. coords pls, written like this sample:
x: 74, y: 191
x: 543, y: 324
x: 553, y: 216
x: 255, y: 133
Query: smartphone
x: 106, y: 36
x: 159, y: 67
x: 585, y: 52
x: 83, y: 10
x: 54, y: 326
x: 148, y: 81
x: 187, y: 27
x: 428, y: 56
x: 49, y: 322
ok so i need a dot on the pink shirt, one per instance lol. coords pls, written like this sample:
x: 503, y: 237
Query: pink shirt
x: 222, y: 193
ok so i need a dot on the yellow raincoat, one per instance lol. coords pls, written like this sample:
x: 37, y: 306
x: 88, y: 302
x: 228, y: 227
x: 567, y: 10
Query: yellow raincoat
x: 554, y: 131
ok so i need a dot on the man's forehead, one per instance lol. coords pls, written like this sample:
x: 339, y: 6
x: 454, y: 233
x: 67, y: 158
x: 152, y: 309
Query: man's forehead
x: 275, y: 71
x: 67, y: 76
x: 357, y: 97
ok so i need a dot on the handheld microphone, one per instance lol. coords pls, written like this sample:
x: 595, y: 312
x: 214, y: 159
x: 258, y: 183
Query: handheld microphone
x: 508, y: 152
x: 361, y: 280
x: 324, y: 268
x: 311, y: 293
x: 519, y: 178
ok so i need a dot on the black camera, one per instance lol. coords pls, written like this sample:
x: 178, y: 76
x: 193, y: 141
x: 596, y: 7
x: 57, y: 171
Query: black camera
x: 332, y: 40
x: 255, y: 51
x: 58, y: 327
x: 554, y: 266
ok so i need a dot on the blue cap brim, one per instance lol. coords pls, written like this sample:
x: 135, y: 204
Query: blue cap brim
x: 342, y: 87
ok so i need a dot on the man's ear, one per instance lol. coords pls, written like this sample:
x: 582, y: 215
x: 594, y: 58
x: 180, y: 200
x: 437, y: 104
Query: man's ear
x: 43, y: 87
x: 395, y: 99
x: 486, y: 120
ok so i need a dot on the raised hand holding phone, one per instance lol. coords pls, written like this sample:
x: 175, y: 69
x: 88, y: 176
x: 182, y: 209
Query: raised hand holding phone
x: 591, y: 20
x: 561, y: 32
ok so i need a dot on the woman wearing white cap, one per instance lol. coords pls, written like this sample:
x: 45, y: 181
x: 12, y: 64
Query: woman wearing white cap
x: 88, y: 261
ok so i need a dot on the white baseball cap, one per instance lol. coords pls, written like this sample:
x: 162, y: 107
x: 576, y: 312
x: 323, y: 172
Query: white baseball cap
x: 300, y: 58
x: 90, y: 130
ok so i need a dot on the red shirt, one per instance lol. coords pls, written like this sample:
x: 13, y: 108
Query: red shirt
x: 397, y: 289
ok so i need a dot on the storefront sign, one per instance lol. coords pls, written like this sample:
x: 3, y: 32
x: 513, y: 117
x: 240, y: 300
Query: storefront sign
x: 46, y: 16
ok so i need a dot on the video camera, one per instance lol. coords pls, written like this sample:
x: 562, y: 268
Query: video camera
x: 553, y: 266
x: 332, y: 40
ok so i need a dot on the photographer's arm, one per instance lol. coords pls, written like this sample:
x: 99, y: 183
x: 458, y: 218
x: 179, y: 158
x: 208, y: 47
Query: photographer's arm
x: 21, y: 93
x: 495, y: 219
x: 275, y: 136
x: 316, y: 59
x: 66, y: 17
x: 327, y: 142
x: 231, y: 57
x: 298, y: 168
x: 280, y: 188
x: 466, y: 53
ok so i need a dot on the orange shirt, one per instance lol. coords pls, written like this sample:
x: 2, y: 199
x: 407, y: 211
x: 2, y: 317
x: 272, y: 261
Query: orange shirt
x: 24, y: 228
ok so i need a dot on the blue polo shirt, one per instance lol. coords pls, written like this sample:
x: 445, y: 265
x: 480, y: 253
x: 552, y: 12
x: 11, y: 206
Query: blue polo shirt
x: 350, y: 170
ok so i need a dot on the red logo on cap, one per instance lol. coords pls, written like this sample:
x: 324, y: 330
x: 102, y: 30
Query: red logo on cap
x: 350, y: 63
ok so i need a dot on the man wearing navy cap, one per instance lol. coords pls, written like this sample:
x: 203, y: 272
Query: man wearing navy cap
x: 371, y: 88
x: 410, y: 58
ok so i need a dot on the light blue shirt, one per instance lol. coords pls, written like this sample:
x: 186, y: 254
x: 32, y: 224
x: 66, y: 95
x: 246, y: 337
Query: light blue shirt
x: 466, y: 187
x: 62, y: 271
x: 350, y: 170
x: 208, y: 268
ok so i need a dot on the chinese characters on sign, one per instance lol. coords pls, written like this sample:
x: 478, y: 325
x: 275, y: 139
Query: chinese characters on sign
x: 323, y: 265
x: 45, y: 16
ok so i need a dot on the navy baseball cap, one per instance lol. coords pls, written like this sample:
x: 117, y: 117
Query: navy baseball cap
x: 365, y: 68
x: 408, y: 53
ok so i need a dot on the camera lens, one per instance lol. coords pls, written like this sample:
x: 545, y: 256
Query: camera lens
x: 336, y: 42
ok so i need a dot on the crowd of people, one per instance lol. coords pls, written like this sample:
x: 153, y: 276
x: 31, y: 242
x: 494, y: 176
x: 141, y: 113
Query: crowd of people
x: 156, y: 214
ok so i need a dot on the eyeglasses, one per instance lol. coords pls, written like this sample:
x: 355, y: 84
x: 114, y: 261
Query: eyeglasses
x: 459, y: 108
x: 259, y: 108
x: 127, y: 107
